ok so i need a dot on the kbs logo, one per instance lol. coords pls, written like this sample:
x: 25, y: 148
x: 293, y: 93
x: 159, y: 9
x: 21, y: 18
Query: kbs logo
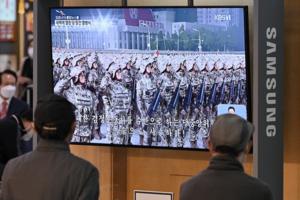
x: 133, y: 13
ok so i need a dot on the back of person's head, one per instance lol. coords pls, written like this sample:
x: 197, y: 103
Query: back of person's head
x: 27, y: 115
x: 230, y: 134
x: 54, y: 117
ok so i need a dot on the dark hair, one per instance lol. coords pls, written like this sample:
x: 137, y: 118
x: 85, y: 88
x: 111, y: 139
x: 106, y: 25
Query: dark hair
x: 27, y: 115
x: 54, y: 116
x: 231, y: 107
x: 9, y: 72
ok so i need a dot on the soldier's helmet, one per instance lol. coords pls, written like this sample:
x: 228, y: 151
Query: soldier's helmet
x: 209, y: 65
x: 192, y: 65
x: 201, y: 64
x: 125, y: 61
x: 179, y: 63
x: 219, y: 64
x: 113, y: 69
x: 162, y: 65
x: 236, y: 64
x: 75, y: 72
x: 144, y: 64
x: 57, y: 59
x: 74, y: 62
x: 243, y: 65
x: 66, y: 61
x: 108, y: 65
x: 228, y: 64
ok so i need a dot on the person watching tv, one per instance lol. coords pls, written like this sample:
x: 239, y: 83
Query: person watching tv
x: 225, y: 178
x: 52, y: 171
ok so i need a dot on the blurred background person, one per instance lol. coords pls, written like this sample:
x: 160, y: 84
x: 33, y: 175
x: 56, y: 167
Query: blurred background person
x: 15, y: 137
x: 9, y: 104
x: 25, y: 78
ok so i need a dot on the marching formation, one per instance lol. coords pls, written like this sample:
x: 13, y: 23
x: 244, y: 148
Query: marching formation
x: 163, y: 99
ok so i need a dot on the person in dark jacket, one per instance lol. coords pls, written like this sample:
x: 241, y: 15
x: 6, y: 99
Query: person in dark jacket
x: 225, y: 177
x: 15, y: 137
x: 51, y: 171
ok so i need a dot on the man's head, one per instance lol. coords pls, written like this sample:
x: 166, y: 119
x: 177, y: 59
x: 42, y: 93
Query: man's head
x: 231, y: 109
x: 8, y: 82
x: 54, y: 118
x: 230, y: 134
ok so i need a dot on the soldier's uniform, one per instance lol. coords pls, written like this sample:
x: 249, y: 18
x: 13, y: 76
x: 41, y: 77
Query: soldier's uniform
x: 195, y: 79
x: 94, y: 77
x: 183, y: 117
x: 85, y: 102
x: 170, y: 121
x: 120, y: 115
x: 146, y: 89
x: 104, y: 90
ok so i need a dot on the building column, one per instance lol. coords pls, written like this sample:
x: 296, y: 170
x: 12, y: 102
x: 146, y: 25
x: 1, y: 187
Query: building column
x: 133, y: 40
x: 127, y: 40
x: 138, y: 40
x: 143, y: 41
x: 123, y: 40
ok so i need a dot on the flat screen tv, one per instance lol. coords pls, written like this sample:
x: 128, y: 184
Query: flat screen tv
x: 150, y: 76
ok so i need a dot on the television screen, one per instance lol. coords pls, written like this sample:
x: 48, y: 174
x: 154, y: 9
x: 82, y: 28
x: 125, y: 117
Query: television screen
x: 153, y: 77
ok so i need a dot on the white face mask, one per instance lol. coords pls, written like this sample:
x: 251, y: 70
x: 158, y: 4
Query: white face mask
x: 8, y: 91
x: 30, y: 52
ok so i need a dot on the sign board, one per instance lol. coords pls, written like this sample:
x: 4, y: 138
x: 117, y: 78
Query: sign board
x: 152, y: 195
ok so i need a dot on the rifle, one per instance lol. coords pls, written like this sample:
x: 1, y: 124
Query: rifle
x: 154, y: 103
x: 188, y: 98
x: 222, y: 93
x: 133, y: 95
x: 238, y: 91
x: 201, y: 94
x: 174, y: 99
x: 212, y: 97
x: 231, y: 91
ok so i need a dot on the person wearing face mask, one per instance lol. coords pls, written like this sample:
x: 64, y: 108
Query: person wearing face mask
x: 9, y: 105
x: 15, y: 136
x: 26, y: 74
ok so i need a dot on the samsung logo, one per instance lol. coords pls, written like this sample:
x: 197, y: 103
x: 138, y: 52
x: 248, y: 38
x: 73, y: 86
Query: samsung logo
x: 271, y: 65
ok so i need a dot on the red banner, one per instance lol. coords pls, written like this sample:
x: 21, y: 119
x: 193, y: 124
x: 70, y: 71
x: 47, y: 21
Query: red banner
x: 133, y: 16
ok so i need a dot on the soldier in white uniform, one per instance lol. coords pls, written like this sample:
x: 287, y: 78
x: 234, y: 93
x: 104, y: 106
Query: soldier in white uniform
x: 146, y: 89
x: 196, y: 80
x: 94, y: 76
x: 120, y: 108
x: 169, y: 103
x: 75, y: 91
x: 183, y: 108
x: 105, y: 97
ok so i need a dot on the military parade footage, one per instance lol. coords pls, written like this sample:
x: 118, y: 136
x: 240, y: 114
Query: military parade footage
x: 136, y: 79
